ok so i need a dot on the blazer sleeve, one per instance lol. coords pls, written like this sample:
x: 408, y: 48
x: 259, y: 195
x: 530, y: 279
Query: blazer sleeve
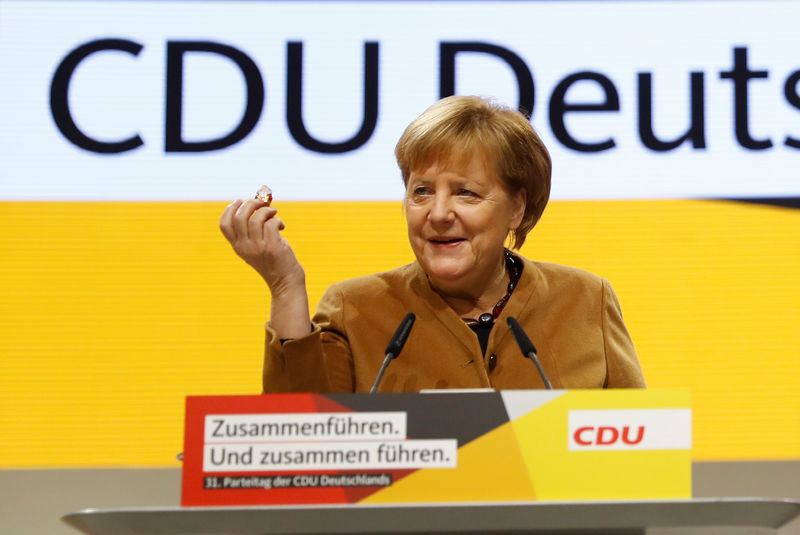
x: 318, y: 362
x: 622, y: 364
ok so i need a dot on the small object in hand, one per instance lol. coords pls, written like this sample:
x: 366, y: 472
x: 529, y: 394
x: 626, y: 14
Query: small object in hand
x: 265, y: 194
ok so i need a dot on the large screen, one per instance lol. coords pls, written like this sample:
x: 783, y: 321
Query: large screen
x: 125, y: 128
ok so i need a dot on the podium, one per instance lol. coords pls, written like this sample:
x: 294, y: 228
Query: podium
x: 535, y: 518
x: 572, y: 463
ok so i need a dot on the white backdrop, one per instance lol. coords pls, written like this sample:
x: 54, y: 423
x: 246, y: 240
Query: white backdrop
x: 114, y: 95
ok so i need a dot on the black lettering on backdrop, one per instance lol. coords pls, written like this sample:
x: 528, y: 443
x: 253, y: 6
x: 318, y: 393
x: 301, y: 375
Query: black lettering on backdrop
x: 559, y: 107
x: 294, y: 102
x: 59, y: 97
x: 447, y: 69
x: 696, y: 131
x: 741, y: 76
x: 254, y: 103
x: 793, y: 98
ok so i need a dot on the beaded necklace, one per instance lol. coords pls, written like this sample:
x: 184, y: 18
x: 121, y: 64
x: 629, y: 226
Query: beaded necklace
x: 514, y: 269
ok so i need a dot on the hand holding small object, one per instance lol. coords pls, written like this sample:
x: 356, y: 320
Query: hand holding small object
x: 254, y: 231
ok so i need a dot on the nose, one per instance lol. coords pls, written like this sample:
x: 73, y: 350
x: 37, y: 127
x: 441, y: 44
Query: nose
x: 442, y: 209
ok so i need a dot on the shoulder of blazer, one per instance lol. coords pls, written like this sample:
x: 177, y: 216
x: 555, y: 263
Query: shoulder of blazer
x: 398, y: 279
x: 556, y: 277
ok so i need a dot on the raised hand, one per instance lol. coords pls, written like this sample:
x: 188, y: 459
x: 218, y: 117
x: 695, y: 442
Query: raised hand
x: 254, y: 231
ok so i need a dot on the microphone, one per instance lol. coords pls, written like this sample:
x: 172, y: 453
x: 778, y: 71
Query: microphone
x: 527, y: 347
x: 395, y: 346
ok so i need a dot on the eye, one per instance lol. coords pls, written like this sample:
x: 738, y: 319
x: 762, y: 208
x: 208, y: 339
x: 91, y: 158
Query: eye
x: 467, y: 193
x: 421, y: 190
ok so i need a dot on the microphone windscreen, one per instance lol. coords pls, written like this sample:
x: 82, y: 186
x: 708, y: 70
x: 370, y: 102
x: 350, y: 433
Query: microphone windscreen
x: 401, y: 335
x: 524, y: 343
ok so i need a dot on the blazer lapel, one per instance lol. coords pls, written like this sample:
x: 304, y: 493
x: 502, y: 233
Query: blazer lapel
x: 444, y: 317
x: 519, y: 306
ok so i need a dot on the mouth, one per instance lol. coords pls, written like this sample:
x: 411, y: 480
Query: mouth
x: 445, y: 241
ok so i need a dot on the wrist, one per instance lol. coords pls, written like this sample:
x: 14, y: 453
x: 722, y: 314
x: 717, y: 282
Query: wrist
x: 289, y: 287
x: 289, y: 315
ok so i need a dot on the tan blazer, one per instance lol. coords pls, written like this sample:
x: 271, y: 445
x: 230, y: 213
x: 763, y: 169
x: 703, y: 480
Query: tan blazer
x: 573, y: 318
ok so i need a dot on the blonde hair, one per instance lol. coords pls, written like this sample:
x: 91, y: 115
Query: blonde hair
x: 457, y: 128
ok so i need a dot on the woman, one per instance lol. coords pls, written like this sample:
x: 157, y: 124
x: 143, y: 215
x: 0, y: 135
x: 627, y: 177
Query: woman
x: 475, y: 174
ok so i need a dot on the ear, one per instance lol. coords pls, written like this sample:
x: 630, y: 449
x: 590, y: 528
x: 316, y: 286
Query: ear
x: 518, y: 205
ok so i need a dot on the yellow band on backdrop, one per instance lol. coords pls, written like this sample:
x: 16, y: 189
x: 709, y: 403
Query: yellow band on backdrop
x: 113, y: 312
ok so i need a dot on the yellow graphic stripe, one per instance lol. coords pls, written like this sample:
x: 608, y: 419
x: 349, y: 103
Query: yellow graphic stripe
x: 112, y: 312
x: 490, y: 468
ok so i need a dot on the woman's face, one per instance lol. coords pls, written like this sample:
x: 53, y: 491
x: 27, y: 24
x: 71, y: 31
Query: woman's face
x: 458, y: 220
